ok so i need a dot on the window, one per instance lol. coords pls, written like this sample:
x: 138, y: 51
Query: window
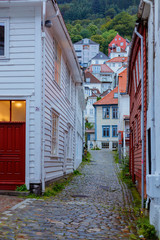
x: 57, y: 63
x: 54, y: 146
x: 91, y: 111
x: 118, y: 49
x: 114, y: 145
x: 116, y: 95
x: 70, y: 143
x: 87, y: 80
x: 105, y: 131
x: 4, y: 38
x: 114, y: 131
x: 68, y: 84
x: 105, y: 144
x: 115, y: 112
x: 12, y: 111
x: 119, y: 38
x: 96, y: 69
x: 121, y: 44
x: 106, y: 112
x: 113, y: 64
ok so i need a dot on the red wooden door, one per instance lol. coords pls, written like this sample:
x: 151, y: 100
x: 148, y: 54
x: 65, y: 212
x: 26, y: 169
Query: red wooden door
x: 12, y: 155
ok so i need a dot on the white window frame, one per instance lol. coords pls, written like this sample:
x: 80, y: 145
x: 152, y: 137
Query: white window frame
x: 5, y: 23
x: 53, y: 112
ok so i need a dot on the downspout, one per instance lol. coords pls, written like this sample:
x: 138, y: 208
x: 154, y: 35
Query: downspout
x: 142, y: 118
x: 153, y: 90
x: 43, y: 97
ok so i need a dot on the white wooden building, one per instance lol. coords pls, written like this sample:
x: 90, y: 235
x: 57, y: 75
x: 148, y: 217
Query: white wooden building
x: 41, y: 96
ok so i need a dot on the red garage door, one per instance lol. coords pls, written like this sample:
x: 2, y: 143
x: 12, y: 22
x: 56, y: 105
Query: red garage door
x: 12, y: 155
x: 12, y: 144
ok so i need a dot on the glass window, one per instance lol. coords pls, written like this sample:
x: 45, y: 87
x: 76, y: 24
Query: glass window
x: 57, y: 63
x: 54, y: 148
x: 106, y: 112
x: 2, y: 39
x: 121, y: 43
x: 105, y: 131
x: 18, y: 111
x: 14, y: 111
x: 115, y: 112
x: 4, y: 111
x: 105, y: 144
x: 114, y: 145
x: 91, y: 111
x: 114, y: 131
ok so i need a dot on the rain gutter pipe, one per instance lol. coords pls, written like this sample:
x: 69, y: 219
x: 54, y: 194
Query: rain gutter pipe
x: 43, y: 97
x: 142, y: 118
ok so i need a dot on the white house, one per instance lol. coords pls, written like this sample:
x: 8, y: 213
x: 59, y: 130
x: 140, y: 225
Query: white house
x: 91, y: 82
x: 123, y: 106
x: 86, y: 49
x: 118, y: 52
x: 100, y: 58
x: 104, y: 74
x: 116, y: 63
x: 106, y: 121
x: 41, y: 96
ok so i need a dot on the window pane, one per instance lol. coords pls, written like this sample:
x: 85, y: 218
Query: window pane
x: 1, y: 40
x: 18, y: 110
x: 4, y: 111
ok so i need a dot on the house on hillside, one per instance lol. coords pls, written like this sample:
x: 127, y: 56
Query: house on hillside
x: 137, y: 85
x: 116, y: 63
x: 90, y: 83
x: 100, y: 58
x: 118, y: 41
x: 41, y: 96
x: 118, y: 52
x: 104, y: 74
x: 86, y: 49
x: 123, y: 124
x: 106, y: 121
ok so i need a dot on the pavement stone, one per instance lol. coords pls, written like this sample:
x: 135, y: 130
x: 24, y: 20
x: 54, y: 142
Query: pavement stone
x: 95, y: 205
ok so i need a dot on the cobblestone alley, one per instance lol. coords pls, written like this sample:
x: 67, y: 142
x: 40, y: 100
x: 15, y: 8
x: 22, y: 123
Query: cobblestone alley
x: 93, y: 206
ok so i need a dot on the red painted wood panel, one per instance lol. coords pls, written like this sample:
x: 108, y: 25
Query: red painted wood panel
x: 12, y: 155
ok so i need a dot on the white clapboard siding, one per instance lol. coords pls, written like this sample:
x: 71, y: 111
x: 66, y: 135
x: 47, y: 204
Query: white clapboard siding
x: 56, y: 99
x: 17, y: 74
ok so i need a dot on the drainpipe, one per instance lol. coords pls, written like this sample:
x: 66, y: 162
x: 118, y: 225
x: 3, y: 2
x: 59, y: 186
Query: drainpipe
x: 43, y: 98
x: 142, y: 118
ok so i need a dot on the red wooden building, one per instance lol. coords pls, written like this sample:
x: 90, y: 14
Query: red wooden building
x: 137, y: 89
x: 118, y: 41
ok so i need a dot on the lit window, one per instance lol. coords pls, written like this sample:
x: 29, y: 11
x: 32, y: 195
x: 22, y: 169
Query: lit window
x: 4, y: 38
x: 114, y: 131
x: 106, y: 112
x: 54, y: 147
x: 105, y: 131
x: 57, y: 63
x: 12, y: 111
x: 115, y: 112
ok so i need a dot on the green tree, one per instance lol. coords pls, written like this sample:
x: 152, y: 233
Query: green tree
x: 93, y: 29
x: 85, y: 33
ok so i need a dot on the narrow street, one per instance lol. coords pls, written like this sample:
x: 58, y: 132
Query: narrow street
x: 95, y: 205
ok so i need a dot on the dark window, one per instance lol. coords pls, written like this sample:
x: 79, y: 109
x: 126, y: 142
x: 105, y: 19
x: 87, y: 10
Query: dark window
x: 105, y: 144
x: 114, y: 131
x: 114, y: 145
x: 115, y: 112
x: 106, y: 131
x: 2, y: 33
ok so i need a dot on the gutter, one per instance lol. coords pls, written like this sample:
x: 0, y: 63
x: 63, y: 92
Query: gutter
x: 142, y: 117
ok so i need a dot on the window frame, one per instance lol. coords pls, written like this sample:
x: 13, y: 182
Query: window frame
x: 5, y: 21
x: 103, y: 114
x: 53, y: 112
x: 107, y: 127
x: 57, y: 63
x: 114, y: 126
x: 116, y: 112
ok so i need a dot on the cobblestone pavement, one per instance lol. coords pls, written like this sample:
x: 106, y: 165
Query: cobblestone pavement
x: 95, y: 205
x: 7, y: 202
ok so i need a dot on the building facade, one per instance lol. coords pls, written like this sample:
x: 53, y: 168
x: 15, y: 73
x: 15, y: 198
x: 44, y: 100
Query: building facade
x: 106, y: 121
x: 86, y: 49
x: 41, y: 96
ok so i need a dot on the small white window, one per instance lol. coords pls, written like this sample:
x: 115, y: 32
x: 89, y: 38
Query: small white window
x: 4, y: 38
x: 54, y: 143
x: 88, y: 80
x: 121, y: 43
